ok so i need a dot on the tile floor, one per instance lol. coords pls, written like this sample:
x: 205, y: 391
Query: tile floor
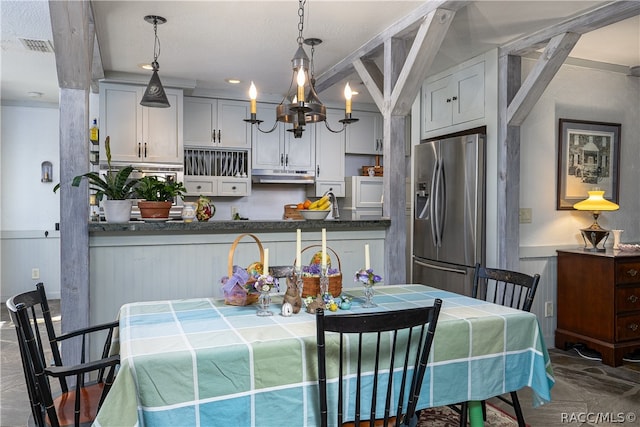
x: 584, y: 389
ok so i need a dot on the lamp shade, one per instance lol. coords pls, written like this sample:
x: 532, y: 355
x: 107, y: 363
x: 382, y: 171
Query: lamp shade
x: 155, y: 96
x: 596, y: 202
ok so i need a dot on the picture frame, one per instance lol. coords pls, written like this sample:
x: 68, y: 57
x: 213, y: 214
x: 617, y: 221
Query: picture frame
x: 588, y: 158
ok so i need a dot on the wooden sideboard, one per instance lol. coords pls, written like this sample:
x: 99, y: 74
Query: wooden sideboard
x: 599, y: 302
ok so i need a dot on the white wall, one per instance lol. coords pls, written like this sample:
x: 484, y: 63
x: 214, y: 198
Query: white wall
x: 581, y: 94
x: 29, y: 208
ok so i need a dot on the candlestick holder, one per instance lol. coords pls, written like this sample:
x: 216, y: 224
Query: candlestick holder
x: 324, y: 281
x: 297, y: 275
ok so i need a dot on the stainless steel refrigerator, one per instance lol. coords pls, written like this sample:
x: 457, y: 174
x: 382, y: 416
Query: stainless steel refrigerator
x: 449, y: 212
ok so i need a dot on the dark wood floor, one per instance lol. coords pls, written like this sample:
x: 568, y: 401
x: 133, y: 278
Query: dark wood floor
x: 584, y: 389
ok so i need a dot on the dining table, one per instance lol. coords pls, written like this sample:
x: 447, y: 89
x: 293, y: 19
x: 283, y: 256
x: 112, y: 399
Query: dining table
x: 200, y: 362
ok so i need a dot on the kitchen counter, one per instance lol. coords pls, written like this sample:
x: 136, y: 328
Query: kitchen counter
x: 240, y: 226
x: 141, y: 261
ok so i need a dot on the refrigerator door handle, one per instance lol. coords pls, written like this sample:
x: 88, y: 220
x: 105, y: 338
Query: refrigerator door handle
x: 433, y: 197
x: 442, y: 201
x: 439, y: 267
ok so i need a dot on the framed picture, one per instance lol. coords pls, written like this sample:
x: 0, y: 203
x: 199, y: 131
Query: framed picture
x: 588, y: 158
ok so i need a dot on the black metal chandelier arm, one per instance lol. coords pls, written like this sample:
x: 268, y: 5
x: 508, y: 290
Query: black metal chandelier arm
x: 275, y: 125
x: 344, y: 126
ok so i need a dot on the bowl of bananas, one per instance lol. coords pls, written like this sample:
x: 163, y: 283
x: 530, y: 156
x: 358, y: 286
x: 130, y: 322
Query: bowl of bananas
x: 316, y: 211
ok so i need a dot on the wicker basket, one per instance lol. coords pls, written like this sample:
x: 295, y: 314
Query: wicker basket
x: 311, y: 284
x: 239, y: 295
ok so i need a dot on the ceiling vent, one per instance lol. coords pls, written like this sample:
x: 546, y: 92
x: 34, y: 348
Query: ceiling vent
x: 35, y: 45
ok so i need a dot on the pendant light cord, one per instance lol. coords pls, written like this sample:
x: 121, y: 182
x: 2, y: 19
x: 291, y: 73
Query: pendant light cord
x: 156, y: 43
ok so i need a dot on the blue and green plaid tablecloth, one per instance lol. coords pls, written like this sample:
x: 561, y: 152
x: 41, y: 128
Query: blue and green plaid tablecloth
x: 201, y: 362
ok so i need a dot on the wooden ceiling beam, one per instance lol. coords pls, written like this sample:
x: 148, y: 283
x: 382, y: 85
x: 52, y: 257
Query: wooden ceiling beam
x: 600, y: 17
x: 540, y: 76
x: 403, y: 28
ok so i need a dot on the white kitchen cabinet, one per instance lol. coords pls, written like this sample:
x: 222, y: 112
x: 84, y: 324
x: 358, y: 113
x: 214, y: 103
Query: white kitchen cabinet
x: 217, y: 186
x: 279, y: 150
x: 216, y: 122
x: 329, y: 158
x: 140, y: 134
x: 365, y: 135
x: 363, y: 197
x: 454, y: 98
x: 216, y: 172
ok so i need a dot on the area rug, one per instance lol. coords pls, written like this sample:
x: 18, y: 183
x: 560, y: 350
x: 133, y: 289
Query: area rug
x: 446, y: 417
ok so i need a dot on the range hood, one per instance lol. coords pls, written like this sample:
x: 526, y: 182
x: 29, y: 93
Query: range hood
x: 274, y: 176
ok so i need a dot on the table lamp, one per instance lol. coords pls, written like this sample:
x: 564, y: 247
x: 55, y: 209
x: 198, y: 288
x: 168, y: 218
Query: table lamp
x: 594, y: 234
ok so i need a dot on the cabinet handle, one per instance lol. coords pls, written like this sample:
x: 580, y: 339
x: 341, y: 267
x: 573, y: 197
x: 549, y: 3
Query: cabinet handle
x: 233, y: 188
x: 213, y: 136
x: 632, y: 299
x: 219, y: 136
x: 318, y: 170
x: 633, y: 326
x: 632, y: 272
x: 455, y: 98
x: 286, y: 160
x: 139, y: 150
x: 448, y: 99
x: 145, y: 149
x: 199, y: 187
x: 281, y: 159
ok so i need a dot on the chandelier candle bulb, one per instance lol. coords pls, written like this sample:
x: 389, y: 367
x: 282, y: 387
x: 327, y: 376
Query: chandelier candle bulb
x: 298, y: 249
x: 324, y: 248
x: 367, y: 260
x: 347, y: 95
x: 253, y: 94
x: 300, y: 85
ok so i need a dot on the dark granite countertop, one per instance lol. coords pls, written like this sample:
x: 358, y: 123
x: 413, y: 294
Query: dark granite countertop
x: 195, y: 227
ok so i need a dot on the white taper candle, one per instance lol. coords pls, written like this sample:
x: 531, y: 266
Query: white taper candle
x: 324, y: 248
x: 367, y: 260
x: 298, y: 248
x: 265, y: 265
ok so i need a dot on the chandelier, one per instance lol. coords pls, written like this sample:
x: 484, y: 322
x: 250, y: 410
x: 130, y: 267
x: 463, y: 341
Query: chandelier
x: 301, y: 105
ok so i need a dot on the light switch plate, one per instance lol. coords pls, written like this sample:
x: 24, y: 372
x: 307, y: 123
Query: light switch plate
x: 525, y: 215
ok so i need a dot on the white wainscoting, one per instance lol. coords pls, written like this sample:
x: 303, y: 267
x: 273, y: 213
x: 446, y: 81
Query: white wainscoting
x: 23, y: 251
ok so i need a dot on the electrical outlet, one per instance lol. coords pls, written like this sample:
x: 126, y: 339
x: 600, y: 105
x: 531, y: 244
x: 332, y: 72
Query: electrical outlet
x: 35, y: 273
x: 548, y: 309
x: 525, y: 215
x: 234, y: 211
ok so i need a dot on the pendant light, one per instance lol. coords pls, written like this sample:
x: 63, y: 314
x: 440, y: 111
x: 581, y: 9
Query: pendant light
x: 154, y: 96
x: 301, y: 105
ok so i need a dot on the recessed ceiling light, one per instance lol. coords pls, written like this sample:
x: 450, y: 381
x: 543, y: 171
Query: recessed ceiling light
x: 34, y: 94
x: 233, y: 81
x: 146, y: 66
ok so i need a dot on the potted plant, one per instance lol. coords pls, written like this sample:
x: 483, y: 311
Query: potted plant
x: 117, y: 186
x: 158, y: 195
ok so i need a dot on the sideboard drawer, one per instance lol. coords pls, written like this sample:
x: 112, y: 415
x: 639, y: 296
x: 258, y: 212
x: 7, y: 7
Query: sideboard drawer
x: 628, y: 272
x: 628, y: 327
x: 627, y: 299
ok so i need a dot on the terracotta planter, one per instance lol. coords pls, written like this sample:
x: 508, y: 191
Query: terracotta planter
x: 155, y: 210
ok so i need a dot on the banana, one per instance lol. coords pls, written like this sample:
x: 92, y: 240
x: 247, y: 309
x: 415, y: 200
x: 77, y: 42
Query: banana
x: 315, y: 205
x: 326, y: 205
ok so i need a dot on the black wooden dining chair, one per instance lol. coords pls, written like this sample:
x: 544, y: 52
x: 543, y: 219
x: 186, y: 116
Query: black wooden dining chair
x: 76, y: 405
x: 507, y: 288
x: 395, y: 357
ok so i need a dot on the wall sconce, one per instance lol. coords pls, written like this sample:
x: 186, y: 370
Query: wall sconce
x: 594, y: 234
x: 46, y: 172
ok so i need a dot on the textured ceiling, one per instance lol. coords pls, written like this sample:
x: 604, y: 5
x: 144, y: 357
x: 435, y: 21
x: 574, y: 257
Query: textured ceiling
x: 205, y: 42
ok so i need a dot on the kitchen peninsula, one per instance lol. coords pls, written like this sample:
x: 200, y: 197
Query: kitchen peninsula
x: 140, y: 261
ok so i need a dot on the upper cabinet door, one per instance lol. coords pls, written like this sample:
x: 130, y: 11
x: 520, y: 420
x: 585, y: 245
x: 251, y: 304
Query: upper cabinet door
x: 216, y: 122
x: 365, y: 135
x: 120, y: 115
x: 267, y: 150
x: 200, y: 119
x: 300, y: 153
x: 233, y: 131
x: 330, y: 149
x: 163, y: 131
